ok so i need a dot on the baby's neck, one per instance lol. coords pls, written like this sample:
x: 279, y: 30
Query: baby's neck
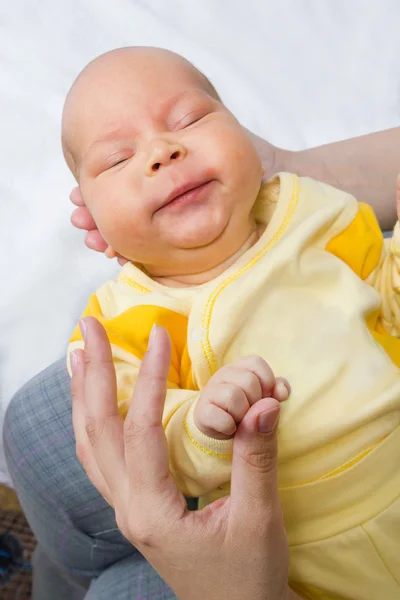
x: 191, y: 280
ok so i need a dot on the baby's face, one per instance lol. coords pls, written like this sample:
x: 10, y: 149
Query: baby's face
x: 146, y: 131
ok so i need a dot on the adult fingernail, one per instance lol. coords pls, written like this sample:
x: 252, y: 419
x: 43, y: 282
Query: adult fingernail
x: 74, y: 362
x: 267, y: 421
x: 152, y: 337
x: 83, y: 328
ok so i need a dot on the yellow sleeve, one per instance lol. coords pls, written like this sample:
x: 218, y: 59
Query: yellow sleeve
x: 199, y: 464
x: 360, y: 245
x: 376, y: 261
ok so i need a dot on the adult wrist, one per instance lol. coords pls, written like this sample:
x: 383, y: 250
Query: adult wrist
x: 273, y: 159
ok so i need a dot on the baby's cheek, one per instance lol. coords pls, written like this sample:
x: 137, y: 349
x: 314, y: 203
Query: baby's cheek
x: 126, y: 231
x: 237, y: 157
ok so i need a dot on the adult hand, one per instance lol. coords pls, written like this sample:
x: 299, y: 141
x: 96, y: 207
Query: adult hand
x: 82, y: 219
x: 234, y: 548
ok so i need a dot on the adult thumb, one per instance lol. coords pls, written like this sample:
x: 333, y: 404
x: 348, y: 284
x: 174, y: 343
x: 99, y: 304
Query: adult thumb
x: 255, y: 458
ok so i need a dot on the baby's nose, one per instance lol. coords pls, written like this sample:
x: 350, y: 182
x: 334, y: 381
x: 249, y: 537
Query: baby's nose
x: 162, y: 154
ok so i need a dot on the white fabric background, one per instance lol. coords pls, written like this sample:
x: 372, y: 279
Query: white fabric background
x: 299, y: 72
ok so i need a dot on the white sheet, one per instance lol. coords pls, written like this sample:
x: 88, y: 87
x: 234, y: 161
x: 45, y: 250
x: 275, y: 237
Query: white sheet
x: 299, y: 72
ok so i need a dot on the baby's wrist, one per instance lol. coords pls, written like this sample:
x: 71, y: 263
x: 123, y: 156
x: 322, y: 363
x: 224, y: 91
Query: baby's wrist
x: 205, y: 443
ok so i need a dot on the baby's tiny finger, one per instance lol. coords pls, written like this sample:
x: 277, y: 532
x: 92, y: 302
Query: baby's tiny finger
x: 122, y: 261
x: 215, y: 422
x: 281, y: 391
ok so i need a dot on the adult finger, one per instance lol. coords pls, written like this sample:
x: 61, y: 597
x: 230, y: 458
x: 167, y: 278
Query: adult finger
x: 254, y: 507
x: 95, y: 241
x: 82, y: 219
x: 76, y: 197
x: 122, y: 261
x: 84, y: 449
x: 146, y: 451
x: 110, y: 252
x: 255, y: 457
x: 104, y: 424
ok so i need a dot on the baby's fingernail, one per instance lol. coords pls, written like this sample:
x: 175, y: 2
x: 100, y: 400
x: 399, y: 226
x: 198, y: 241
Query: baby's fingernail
x: 267, y: 421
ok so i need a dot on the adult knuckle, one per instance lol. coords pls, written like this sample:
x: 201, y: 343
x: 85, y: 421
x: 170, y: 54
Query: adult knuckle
x: 143, y: 535
x: 148, y: 374
x: 263, y: 460
x: 98, y: 362
x: 74, y: 391
x: 134, y: 433
x: 93, y: 430
x: 88, y: 359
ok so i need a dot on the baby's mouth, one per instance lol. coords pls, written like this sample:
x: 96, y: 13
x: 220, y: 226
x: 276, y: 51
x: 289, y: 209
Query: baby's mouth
x: 185, y: 194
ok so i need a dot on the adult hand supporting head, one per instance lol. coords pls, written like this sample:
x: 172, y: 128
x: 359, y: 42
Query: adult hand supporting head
x: 235, y: 547
x: 82, y: 219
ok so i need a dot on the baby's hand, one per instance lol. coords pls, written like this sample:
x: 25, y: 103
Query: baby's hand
x: 231, y: 391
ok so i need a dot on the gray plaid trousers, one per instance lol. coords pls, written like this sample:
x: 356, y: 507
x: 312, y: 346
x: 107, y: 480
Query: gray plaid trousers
x: 80, y: 553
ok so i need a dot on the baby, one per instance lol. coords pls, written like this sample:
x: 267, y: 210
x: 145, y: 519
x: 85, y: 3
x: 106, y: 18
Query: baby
x: 290, y: 276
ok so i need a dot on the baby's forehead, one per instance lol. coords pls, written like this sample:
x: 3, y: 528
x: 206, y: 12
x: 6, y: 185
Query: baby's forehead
x: 130, y: 82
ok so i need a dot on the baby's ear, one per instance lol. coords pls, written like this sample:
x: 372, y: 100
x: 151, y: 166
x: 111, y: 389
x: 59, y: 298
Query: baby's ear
x: 110, y: 252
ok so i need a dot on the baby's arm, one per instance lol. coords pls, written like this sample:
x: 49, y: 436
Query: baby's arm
x: 199, y: 462
x: 200, y: 433
x: 128, y: 332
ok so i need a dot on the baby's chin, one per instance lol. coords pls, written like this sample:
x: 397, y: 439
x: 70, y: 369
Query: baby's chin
x: 194, y: 258
x: 178, y: 245
x: 196, y: 233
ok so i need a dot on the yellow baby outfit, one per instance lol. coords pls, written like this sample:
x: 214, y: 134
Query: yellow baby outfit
x: 318, y: 298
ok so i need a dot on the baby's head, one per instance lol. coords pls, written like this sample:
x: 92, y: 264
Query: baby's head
x: 141, y: 126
